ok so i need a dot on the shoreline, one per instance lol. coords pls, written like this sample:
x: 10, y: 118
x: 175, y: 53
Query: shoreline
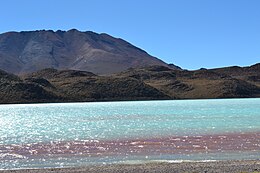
x: 127, y: 100
x: 231, y: 166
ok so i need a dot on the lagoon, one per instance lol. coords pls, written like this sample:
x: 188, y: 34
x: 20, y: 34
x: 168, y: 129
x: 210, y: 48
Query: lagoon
x: 76, y: 134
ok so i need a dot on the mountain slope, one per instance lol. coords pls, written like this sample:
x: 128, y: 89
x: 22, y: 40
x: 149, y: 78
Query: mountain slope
x: 15, y: 90
x: 23, y: 52
x: 149, y: 83
x: 228, y: 82
x: 50, y: 85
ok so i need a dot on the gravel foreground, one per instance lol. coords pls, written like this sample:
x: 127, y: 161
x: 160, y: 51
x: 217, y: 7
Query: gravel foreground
x: 252, y: 166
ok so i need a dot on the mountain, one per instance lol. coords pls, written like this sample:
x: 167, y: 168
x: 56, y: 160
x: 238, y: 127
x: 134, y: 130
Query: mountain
x: 147, y: 83
x: 30, y: 51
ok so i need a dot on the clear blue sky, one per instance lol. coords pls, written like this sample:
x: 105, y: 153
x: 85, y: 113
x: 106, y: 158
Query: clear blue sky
x: 188, y: 33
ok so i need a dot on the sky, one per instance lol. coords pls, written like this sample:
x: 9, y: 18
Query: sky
x: 189, y: 33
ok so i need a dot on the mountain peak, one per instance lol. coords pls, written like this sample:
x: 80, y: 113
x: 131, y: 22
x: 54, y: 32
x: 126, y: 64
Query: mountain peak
x: 73, y: 30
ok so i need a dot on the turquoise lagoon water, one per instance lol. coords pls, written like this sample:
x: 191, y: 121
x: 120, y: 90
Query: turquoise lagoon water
x: 129, y: 120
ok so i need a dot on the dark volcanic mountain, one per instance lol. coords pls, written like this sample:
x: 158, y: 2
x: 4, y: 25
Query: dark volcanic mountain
x: 23, y: 52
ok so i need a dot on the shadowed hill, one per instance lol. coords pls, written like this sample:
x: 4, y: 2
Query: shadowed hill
x: 85, y: 86
x: 150, y: 83
x: 50, y: 85
x: 229, y: 82
x: 15, y: 90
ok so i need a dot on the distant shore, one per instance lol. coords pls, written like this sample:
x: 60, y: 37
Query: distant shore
x: 247, y: 166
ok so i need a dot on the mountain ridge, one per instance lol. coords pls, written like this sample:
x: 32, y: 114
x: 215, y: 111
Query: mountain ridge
x: 146, y: 83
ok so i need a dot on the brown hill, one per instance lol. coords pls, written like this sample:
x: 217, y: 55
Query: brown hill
x: 24, y: 52
x: 15, y: 90
x: 229, y: 82
x: 50, y: 85
x: 74, y: 85
x: 150, y: 83
x: 250, y: 74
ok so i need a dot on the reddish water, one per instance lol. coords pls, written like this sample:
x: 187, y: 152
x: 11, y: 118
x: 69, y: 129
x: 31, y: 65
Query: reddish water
x: 167, y: 145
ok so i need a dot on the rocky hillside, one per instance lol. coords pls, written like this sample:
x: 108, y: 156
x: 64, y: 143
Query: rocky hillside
x: 50, y: 85
x: 229, y: 82
x: 25, y: 52
x: 15, y: 90
x: 154, y: 82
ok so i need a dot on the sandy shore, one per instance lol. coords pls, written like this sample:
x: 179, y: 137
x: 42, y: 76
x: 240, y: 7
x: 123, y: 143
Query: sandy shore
x: 192, y: 167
